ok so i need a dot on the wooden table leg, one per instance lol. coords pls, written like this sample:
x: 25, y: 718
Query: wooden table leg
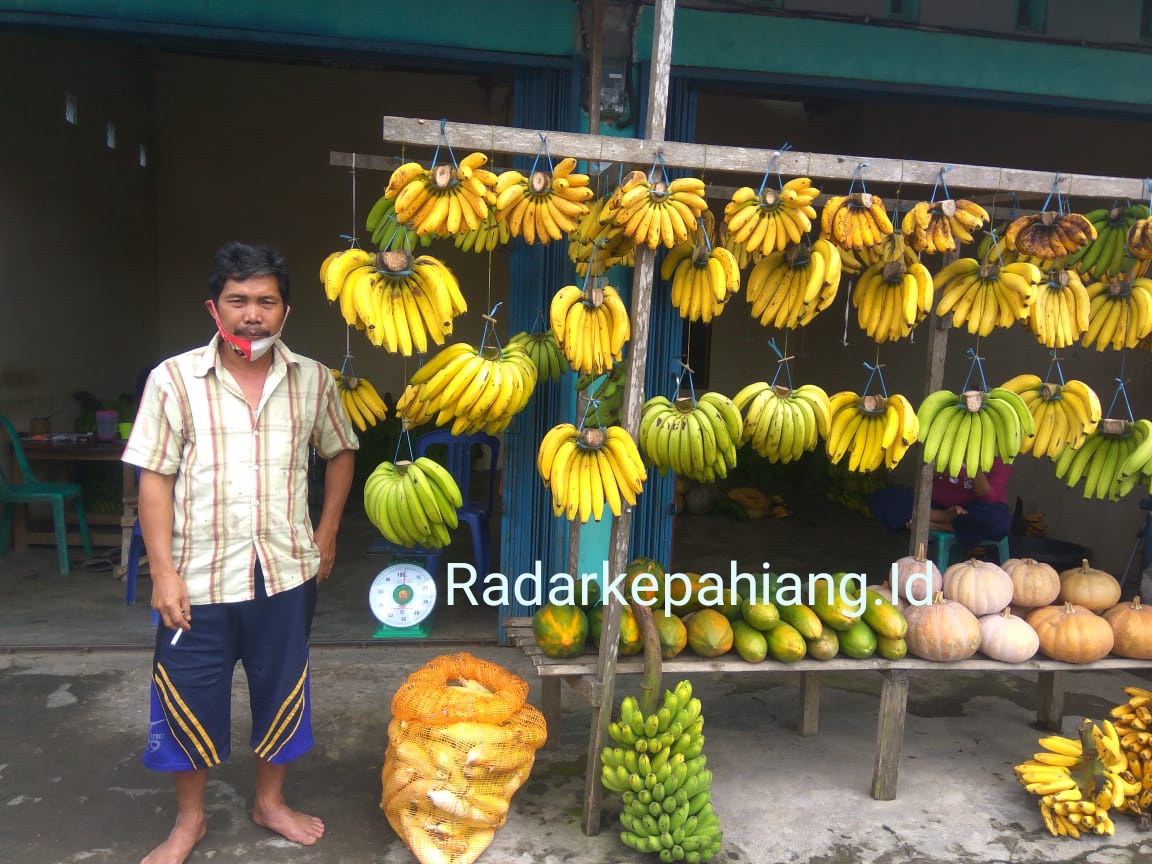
x: 590, y: 820
x: 809, y: 703
x: 890, y: 733
x: 550, y: 708
x: 1050, y: 702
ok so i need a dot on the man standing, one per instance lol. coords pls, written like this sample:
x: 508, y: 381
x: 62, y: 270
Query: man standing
x: 222, y: 440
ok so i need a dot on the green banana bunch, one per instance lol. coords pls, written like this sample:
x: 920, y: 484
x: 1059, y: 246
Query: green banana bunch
x: 694, y: 438
x: 957, y: 436
x: 387, y: 233
x: 1116, y: 456
x: 551, y: 364
x: 413, y: 503
x: 1108, y: 254
x: 609, y: 393
x: 659, y: 769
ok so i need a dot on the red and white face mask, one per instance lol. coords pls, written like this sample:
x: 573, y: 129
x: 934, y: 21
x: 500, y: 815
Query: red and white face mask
x: 249, y: 349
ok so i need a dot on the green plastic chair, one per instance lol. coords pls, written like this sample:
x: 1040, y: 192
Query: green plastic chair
x: 32, y: 491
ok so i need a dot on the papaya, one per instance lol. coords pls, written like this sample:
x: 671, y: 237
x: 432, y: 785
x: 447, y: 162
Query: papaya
x: 826, y: 647
x: 806, y: 622
x: 884, y: 618
x: 749, y: 642
x: 785, y: 643
x: 588, y: 587
x: 637, y: 567
x: 762, y: 615
x: 891, y: 649
x: 685, y: 600
x: 630, y: 641
x: 837, y: 611
x: 731, y: 611
x: 709, y: 633
x: 858, y: 641
x: 560, y: 630
x: 673, y: 634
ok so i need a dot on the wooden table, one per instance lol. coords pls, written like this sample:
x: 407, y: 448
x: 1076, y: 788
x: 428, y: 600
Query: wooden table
x: 580, y: 673
x: 61, y: 456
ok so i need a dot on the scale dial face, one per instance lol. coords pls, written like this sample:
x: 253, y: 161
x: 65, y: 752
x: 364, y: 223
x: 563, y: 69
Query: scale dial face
x: 402, y: 595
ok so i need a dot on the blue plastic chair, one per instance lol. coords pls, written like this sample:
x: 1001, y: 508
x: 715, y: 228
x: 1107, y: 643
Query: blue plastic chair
x: 32, y: 491
x: 135, y: 553
x: 944, y: 543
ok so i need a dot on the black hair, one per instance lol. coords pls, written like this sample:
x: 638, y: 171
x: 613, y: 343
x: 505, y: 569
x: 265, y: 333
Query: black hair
x: 240, y: 262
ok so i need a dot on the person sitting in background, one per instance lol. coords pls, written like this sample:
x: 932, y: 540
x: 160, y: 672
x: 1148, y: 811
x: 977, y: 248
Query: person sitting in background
x: 974, y: 508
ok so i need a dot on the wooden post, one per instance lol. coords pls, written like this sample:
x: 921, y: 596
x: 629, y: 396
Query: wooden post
x: 809, y: 703
x: 550, y: 708
x: 1050, y: 701
x: 890, y: 733
x: 630, y: 420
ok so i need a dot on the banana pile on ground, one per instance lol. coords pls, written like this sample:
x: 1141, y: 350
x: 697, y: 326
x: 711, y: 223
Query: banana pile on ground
x: 871, y: 430
x: 485, y: 238
x: 657, y: 766
x: 413, y: 503
x: 360, y: 400
x: 1111, y: 461
x: 386, y: 230
x: 596, y: 246
x: 543, y: 351
x: 892, y: 296
x: 475, y: 389
x: 586, y: 469
x: 697, y: 441
x: 767, y: 221
x: 1059, y: 314
x: 936, y: 226
x: 1133, y: 721
x: 1049, y: 235
x: 855, y: 221
x: 1077, y: 782
x: 1062, y: 414
x: 543, y: 206
x: 656, y: 213
x: 757, y: 505
x: 782, y: 423
x: 399, y: 301
x: 1107, y: 255
x: 853, y: 489
x: 608, y: 394
x: 703, y: 278
x: 986, y: 296
x: 443, y: 200
x: 1119, y: 313
x: 970, y: 429
x: 791, y: 287
x: 591, y: 326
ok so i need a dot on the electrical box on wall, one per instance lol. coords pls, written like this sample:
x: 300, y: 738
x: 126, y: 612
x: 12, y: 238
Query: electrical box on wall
x: 614, y: 93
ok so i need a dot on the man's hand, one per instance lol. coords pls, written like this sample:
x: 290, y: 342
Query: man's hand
x: 326, y: 543
x: 954, y: 511
x: 170, y: 599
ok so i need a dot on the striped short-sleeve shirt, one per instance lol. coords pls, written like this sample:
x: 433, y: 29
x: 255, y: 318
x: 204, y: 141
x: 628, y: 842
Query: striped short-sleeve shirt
x: 241, y: 491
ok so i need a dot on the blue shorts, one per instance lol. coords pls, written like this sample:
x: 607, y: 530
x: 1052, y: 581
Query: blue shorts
x: 191, y: 693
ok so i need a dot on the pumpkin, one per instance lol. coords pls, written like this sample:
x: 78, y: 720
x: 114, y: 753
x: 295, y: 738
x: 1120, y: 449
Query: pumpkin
x: 645, y: 593
x: 709, y: 633
x: 630, y: 640
x: 927, y: 582
x: 1034, y: 583
x: 1132, y: 629
x: 982, y: 586
x: 1008, y: 637
x: 1072, y: 633
x: 1088, y: 587
x: 673, y: 634
x: 943, y: 631
x: 560, y: 630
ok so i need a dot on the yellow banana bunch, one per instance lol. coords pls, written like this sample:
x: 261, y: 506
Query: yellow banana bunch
x: 1049, y: 235
x: 486, y: 238
x: 891, y: 297
x: 1062, y: 414
x: 444, y: 200
x: 986, y: 296
x: 360, y: 400
x: 599, y: 245
x: 782, y: 423
x: 936, y: 226
x: 543, y: 206
x: 970, y: 429
x: 855, y: 261
x: 696, y: 441
x: 1133, y: 726
x: 1139, y: 239
x: 590, y: 326
x: 1060, y: 306
x: 413, y: 503
x: 1119, y: 313
x: 703, y: 279
x: 656, y: 214
x: 790, y: 288
x: 411, y: 407
x: 1107, y: 256
x: 475, y: 389
x: 545, y: 354
x: 767, y: 221
x: 589, y: 469
x: 1116, y: 456
x: 855, y: 221
x: 870, y: 430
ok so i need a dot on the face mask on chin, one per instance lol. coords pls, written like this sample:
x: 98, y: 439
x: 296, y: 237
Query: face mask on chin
x: 248, y: 349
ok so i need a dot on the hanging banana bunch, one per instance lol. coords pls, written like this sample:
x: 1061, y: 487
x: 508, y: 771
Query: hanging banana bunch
x: 694, y: 438
x: 590, y: 468
x: 360, y: 400
x: 970, y: 429
x: 444, y: 200
x: 855, y: 221
x: 591, y: 326
x: 486, y: 238
x: 871, y: 430
x: 411, y: 407
x: 413, y: 503
x: 1059, y: 313
x: 1139, y: 239
x: 1116, y: 456
x: 937, y: 226
x: 386, y: 231
x: 656, y: 213
x: 1108, y: 255
x: 766, y: 221
x: 1063, y: 415
x: 783, y: 423
x: 790, y: 288
x: 543, y: 206
x: 1049, y: 235
x: 986, y: 296
x: 1119, y: 313
x: 551, y: 365
x: 892, y: 296
x: 597, y: 245
x: 703, y: 277
x: 608, y: 394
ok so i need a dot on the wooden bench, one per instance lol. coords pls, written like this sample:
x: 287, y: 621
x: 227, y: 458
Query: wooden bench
x: 582, y: 675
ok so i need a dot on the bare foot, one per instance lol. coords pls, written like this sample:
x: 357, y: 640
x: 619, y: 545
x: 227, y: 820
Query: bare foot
x: 290, y: 824
x: 186, y: 833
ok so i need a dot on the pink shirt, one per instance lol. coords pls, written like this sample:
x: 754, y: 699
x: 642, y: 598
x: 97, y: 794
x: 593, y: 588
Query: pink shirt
x: 950, y: 491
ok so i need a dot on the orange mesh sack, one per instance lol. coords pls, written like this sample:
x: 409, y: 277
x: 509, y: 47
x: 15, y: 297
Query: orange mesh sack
x: 462, y: 740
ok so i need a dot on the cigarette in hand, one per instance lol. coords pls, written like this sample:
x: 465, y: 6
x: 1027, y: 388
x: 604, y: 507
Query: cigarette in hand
x: 176, y: 637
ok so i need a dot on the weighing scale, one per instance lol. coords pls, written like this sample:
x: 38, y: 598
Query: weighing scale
x: 402, y: 597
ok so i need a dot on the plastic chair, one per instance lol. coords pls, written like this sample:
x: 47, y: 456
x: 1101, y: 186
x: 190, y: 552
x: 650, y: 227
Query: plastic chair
x: 945, y: 543
x: 32, y: 491
x: 135, y: 553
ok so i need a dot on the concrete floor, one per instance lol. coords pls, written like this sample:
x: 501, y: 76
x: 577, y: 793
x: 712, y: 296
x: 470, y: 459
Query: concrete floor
x: 72, y: 788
